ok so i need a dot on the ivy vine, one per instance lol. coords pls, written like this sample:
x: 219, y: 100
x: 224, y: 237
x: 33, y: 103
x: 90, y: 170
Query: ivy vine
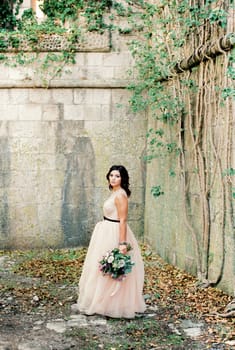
x: 92, y: 11
x: 172, y: 29
x: 9, y: 9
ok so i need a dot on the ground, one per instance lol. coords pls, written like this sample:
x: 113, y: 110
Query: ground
x: 39, y: 288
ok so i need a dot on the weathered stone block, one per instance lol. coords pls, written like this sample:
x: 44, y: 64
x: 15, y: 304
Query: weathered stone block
x: 101, y: 74
x: 122, y: 73
x: 26, y: 145
x: 73, y: 112
x: 106, y: 112
x: 115, y: 59
x: 62, y: 96
x: 31, y: 128
x: 46, y: 161
x: 4, y: 74
x: 120, y: 98
x: 18, y: 73
x: 5, y: 97
x: 102, y: 96
x: 19, y: 96
x: 8, y: 112
x: 81, y: 96
x: 92, y: 112
x: 50, y: 112
x: 40, y: 96
x: 98, y: 130
x: 92, y: 96
x: 94, y: 59
x: 30, y: 112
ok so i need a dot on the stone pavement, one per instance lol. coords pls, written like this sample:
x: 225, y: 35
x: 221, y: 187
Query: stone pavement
x: 59, y: 326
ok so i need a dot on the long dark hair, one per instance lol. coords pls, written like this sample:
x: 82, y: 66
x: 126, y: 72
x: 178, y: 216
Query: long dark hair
x: 124, y: 178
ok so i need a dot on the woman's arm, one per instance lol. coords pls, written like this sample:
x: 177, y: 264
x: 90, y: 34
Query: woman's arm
x: 121, y: 203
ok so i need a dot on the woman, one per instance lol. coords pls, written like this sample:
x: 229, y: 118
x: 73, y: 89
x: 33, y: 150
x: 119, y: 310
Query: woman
x: 101, y: 294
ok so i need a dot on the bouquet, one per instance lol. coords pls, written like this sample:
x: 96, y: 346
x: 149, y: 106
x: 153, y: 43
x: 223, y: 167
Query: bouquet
x: 116, y: 264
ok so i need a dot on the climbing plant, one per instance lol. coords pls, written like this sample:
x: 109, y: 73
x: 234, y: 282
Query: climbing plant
x: 185, y: 87
x: 92, y: 11
x: 9, y: 9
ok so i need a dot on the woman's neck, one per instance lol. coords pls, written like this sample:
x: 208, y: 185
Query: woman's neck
x: 116, y: 189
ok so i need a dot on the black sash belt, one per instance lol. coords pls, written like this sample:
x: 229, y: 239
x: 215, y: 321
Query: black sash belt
x: 111, y: 219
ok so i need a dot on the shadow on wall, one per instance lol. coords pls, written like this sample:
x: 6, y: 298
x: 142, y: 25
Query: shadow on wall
x: 78, y: 194
x: 5, y: 162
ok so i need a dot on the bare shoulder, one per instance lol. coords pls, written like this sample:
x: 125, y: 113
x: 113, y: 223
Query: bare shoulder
x: 121, y: 195
x: 121, y: 202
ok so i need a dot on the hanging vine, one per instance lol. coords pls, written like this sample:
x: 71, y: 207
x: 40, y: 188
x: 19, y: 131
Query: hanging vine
x: 198, y: 33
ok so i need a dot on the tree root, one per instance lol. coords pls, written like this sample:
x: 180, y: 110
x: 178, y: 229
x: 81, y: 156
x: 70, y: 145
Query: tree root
x: 229, y: 311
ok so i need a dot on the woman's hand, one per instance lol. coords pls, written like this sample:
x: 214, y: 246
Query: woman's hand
x: 123, y: 248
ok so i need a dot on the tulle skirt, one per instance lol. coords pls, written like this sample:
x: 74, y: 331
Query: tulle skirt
x: 99, y: 294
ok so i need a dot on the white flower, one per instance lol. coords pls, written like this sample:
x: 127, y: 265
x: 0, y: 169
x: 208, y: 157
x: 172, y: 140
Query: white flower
x: 121, y: 263
x: 110, y: 259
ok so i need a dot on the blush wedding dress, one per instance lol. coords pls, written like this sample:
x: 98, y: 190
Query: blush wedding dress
x: 101, y: 294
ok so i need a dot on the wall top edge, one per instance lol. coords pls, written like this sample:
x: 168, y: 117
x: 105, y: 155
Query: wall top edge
x: 65, y: 84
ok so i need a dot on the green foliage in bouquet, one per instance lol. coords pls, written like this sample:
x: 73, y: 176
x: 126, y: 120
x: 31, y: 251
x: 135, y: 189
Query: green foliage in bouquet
x: 116, y: 265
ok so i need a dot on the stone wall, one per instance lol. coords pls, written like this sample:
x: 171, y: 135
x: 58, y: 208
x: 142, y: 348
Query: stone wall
x: 57, y: 144
x: 174, y: 221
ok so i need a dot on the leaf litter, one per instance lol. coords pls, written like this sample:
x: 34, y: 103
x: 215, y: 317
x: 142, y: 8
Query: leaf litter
x: 44, y: 279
